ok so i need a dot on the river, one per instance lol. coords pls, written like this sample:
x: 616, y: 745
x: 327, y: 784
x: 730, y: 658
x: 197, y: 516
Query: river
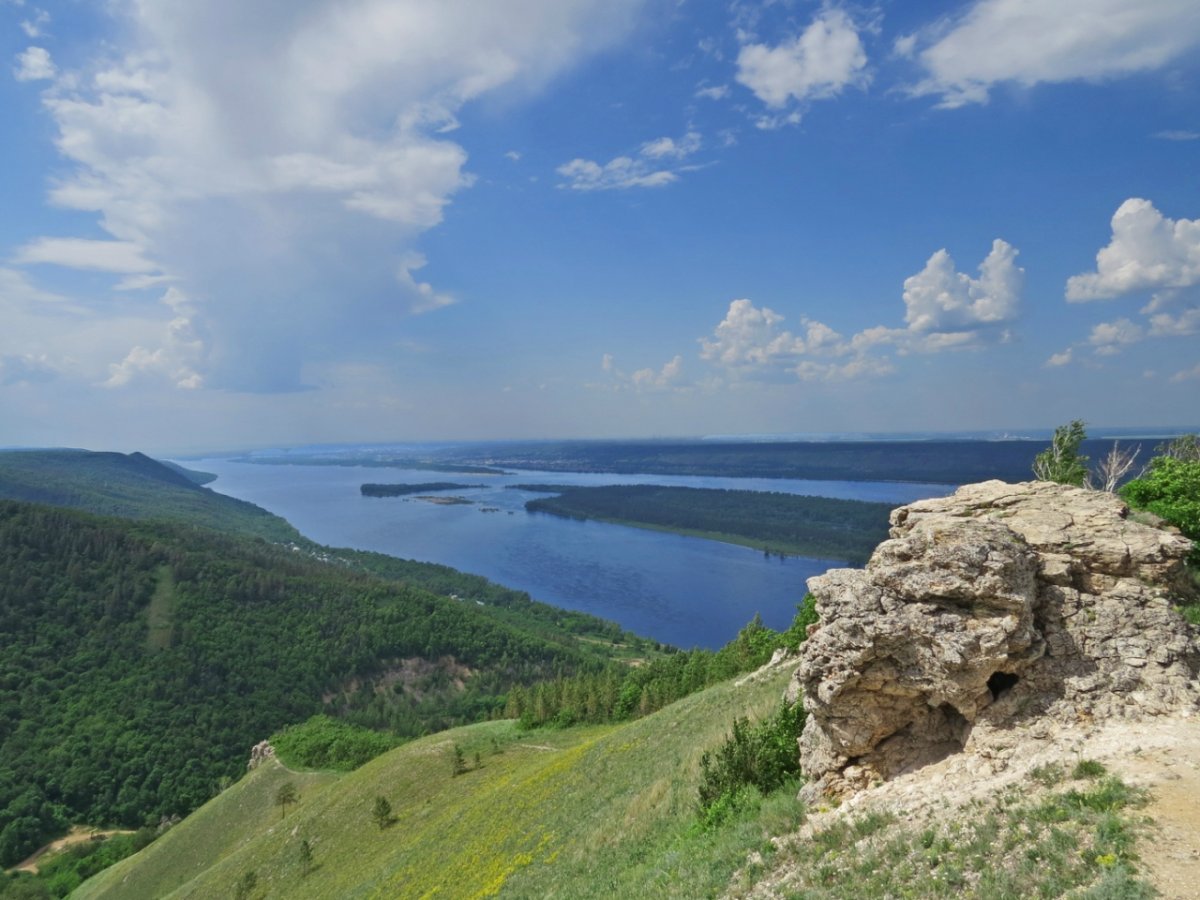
x: 680, y: 590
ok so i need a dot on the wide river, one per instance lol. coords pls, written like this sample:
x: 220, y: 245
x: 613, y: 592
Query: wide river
x: 679, y: 590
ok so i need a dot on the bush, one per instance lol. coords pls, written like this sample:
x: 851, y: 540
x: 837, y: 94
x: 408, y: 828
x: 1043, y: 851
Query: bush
x: 1061, y: 461
x: 326, y: 743
x: 761, y: 756
x: 1171, y: 490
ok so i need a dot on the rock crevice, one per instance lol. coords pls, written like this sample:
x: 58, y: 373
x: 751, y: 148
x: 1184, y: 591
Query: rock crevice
x: 996, y: 605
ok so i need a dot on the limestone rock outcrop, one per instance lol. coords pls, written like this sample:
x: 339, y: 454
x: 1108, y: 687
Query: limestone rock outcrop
x: 260, y: 753
x: 997, y: 606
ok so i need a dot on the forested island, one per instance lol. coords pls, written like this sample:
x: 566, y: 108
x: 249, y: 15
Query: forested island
x: 773, y: 522
x: 402, y: 490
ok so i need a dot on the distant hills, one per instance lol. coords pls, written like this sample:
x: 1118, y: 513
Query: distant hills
x: 132, y: 486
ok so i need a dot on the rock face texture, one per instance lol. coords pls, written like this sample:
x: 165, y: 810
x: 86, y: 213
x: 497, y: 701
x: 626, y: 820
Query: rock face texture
x: 998, y: 606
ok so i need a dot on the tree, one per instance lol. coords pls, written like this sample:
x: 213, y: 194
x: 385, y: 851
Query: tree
x: 306, y: 857
x: 1061, y: 461
x: 381, y: 812
x: 245, y: 886
x: 1186, y: 448
x: 1115, y: 466
x: 285, y: 797
x: 1170, y: 489
x: 458, y: 761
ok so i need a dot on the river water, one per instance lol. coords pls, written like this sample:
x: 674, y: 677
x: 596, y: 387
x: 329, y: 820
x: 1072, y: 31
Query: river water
x: 679, y: 590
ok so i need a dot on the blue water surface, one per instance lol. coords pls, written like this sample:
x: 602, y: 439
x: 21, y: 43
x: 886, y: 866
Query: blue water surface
x: 679, y: 590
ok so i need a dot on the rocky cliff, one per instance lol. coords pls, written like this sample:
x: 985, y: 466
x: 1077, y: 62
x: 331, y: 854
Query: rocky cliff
x: 997, y: 607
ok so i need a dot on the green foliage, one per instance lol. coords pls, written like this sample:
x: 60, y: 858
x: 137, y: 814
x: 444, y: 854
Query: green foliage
x: 617, y: 693
x: 285, y: 797
x: 245, y: 886
x: 458, y: 761
x: 1170, y: 489
x: 761, y: 756
x: 323, y: 742
x: 1061, y: 461
x: 132, y: 486
x: 118, y: 711
x: 61, y: 873
x: 1185, y: 448
x: 305, y: 856
x: 381, y: 812
x: 1088, y: 768
x: 806, y: 615
x: 779, y: 523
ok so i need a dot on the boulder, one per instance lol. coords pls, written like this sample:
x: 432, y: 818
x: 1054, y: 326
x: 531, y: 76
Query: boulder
x: 990, y: 608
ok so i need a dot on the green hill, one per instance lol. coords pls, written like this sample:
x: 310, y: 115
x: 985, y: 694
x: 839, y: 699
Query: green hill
x: 131, y: 486
x: 142, y: 659
x: 601, y: 811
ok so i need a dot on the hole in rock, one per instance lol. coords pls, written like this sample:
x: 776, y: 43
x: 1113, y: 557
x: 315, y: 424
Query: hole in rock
x: 1000, y: 682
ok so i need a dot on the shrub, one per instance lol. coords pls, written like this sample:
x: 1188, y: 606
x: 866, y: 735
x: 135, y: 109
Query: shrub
x: 762, y: 756
x: 1061, y: 461
x: 1171, y: 490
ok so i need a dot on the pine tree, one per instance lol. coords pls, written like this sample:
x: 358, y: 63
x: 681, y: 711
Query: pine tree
x: 381, y: 812
x: 306, y: 857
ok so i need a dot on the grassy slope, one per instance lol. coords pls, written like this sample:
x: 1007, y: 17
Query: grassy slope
x: 599, y: 811
x: 132, y: 486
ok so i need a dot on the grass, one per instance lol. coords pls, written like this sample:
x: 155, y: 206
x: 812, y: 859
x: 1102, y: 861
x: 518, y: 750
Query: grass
x: 578, y: 812
x: 1079, y: 842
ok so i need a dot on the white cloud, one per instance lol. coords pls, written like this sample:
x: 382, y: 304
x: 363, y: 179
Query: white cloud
x: 941, y: 299
x: 1108, y: 337
x: 665, y: 147
x: 1147, y: 252
x: 513, y: 155
x: 1060, y: 359
x: 78, y: 253
x: 1178, y: 135
x: 281, y: 162
x: 714, y: 92
x: 945, y: 310
x: 657, y: 164
x: 1181, y: 325
x: 34, y: 64
x: 35, y: 25
x: 426, y: 298
x: 1187, y: 374
x: 181, y: 351
x: 1027, y: 43
x: 819, y: 63
x: 668, y: 377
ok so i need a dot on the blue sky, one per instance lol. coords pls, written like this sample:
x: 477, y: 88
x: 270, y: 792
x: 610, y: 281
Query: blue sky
x: 230, y: 224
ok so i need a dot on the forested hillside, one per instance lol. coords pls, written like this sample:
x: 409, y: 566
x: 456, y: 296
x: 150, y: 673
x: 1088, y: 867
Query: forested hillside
x: 132, y: 486
x: 141, y: 661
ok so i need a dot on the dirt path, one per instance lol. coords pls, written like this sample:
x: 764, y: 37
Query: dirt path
x: 1172, y: 773
x: 78, y: 835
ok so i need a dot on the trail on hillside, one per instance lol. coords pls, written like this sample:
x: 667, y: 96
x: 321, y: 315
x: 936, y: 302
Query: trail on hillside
x: 78, y: 835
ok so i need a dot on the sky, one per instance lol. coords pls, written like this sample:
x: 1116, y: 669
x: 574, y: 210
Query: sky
x: 228, y: 224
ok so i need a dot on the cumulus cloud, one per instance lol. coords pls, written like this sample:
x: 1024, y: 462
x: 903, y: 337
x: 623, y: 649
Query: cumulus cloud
x: 657, y: 164
x: 176, y: 359
x: 34, y: 64
x: 945, y: 310
x: 280, y: 162
x: 648, y: 379
x: 1060, y: 359
x: 713, y: 92
x: 1109, y: 337
x: 1147, y: 252
x: 939, y: 298
x: 998, y: 41
x: 820, y: 62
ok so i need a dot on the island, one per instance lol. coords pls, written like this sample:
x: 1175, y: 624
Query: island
x: 402, y: 490
x: 786, y: 524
